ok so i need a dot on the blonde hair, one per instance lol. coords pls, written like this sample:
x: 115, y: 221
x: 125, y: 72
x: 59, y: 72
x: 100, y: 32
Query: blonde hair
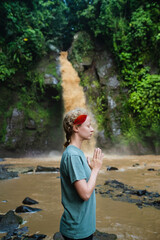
x: 68, y: 122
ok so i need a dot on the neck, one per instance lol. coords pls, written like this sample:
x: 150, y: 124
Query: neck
x: 76, y: 142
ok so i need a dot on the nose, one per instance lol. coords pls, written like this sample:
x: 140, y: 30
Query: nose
x: 92, y: 129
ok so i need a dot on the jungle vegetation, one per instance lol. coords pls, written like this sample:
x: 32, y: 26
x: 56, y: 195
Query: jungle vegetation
x: 130, y: 28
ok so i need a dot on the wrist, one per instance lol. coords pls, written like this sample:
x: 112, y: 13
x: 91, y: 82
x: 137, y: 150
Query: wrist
x: 95, y: 170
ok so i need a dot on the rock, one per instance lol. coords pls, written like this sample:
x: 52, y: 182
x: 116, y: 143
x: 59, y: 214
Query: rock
x: 96, y: 236
x: 113, y: 82
x: 9, y: 221
x: 26, y: 170
x: 49, y: 79
x: 135, y: 165
x: 25, y: 209
x: 122, y: 192
x: 36, y: 237
x: 141, y: 192
x: 139, y: 205
x: 112, y: 168
x: 29, y: 201
x: 16, y: 232
x: 30, y: 124
x: 111, y: 103
x: 156, y: 204
x: 4, y: 174
x: 53, y: 48
x: 21, y: 170
x: 114, y: 183
x: 58, y: 236
x: 103, y: 236
x: 19, y: 234
x: 104, y: 65
x: 46, y: 169
x: 82, y: 58
x: 15, y: 126
x: 20, y: 231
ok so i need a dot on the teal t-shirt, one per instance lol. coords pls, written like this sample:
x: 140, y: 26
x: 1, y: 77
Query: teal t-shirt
x: 79, y: 217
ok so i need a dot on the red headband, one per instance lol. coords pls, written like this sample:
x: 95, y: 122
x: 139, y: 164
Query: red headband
x: 80, y: 119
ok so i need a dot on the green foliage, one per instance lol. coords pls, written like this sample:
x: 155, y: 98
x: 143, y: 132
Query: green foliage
x: 146, y: 101
x: 131, y: 29
x: 5, y: 70
x: 96, y: 101
x: 80, y: 51
x: 25, y: 32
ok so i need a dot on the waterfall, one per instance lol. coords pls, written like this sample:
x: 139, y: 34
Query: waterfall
x: 73, y: 95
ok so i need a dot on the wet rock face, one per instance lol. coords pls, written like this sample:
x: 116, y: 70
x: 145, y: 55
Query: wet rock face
x: 14, y: 129
x: 121, y: 192
x: 99, y: 75
x: 36, y: 128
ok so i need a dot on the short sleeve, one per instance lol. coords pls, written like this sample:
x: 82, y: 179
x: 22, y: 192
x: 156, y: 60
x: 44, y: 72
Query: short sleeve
x: 75, y: 168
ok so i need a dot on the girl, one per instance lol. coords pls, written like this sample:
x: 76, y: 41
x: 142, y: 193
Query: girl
x: 78, y: 178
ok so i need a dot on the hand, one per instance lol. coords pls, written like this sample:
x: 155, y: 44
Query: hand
x: 97, y: 160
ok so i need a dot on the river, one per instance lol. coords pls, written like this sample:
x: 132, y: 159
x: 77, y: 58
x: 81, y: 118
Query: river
x: 124, y: 219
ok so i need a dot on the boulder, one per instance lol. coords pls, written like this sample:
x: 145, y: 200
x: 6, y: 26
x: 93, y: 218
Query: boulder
x: 4, y: 174
x: 29, y: 201
x: 96, y: 236
x: 112, y: 168
x: 49, y: 79
x: 46, y: 169
x: 15, y: 126
x: 9, y: 221
x: 103, y: 236
x: 26, y: 209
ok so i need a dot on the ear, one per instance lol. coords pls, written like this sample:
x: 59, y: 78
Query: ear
x: 75, y: 128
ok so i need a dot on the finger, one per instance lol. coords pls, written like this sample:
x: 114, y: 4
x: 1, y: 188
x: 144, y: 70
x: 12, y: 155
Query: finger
x: 99, y: 153
x: 95, y: 153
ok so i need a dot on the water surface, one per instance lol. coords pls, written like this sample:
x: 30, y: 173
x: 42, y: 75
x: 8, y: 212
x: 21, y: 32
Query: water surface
x: 124, y: 219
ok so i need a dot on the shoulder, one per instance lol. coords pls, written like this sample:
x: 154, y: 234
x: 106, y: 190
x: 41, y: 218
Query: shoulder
x: 72, y: 151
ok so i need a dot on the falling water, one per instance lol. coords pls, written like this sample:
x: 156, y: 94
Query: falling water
x: 73, y: 95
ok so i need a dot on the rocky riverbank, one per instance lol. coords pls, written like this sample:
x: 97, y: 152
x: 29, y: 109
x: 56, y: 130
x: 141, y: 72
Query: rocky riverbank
x: 10, y: 224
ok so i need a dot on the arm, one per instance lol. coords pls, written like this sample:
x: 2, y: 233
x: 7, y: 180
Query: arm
x: 84, y: 188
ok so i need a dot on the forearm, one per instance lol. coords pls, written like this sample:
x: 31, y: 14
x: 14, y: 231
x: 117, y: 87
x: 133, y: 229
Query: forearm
x: 85, y: 188
x: 92, y: 182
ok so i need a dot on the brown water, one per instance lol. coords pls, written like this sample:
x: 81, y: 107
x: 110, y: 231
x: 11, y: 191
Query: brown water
x: 126, y: 220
